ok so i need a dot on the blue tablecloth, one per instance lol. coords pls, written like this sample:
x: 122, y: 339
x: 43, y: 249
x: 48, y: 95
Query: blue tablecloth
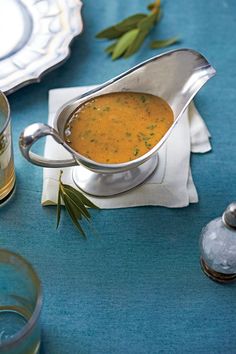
x: 136, y: 286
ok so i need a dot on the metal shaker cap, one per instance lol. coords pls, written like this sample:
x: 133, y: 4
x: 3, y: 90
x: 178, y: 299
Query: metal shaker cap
x: 229, y: 216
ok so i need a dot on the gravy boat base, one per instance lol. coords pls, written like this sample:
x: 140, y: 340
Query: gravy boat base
x: 105, y: 185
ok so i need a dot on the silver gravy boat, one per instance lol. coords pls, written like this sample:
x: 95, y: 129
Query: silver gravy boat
x: 176, y: 76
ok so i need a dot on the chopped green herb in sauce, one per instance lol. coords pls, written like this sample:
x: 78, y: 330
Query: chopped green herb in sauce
x: 118, y: 127
x: 135, y: 151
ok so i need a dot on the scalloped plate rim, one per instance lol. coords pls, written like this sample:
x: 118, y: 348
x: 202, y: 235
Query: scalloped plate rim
x: 36, y: 77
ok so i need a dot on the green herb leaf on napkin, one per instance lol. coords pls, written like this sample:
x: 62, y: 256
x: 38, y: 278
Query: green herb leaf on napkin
x: 75, y: 203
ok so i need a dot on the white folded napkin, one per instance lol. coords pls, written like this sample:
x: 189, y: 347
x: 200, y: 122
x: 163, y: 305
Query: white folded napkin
x: 172, y: 183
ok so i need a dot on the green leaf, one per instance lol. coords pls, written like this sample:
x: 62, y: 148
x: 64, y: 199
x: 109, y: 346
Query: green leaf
x: 82, y: 197
x: 58, y: 207
x: 72, y: 214
x: 76, y: 209
x: 129, y: 23
x: 109, y: 33
x: 121, y: 27
x: 75, y: 204
x: 110, y: 48
x: 147, y: 23
x: 132, y: 31
x: 124, y: 42
x: 75, y: 199
x: 136, y: 44
x: 164, y: 42
x: 88, y: 202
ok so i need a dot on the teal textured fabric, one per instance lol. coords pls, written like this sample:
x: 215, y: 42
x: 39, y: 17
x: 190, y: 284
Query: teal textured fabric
x: 136, y: 285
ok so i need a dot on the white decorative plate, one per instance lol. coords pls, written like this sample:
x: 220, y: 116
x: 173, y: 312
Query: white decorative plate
x: 35, y: 36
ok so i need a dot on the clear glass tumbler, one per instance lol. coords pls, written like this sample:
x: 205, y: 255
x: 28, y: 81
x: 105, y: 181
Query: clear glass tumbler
x: 7, y: 172
x: 20, y: 305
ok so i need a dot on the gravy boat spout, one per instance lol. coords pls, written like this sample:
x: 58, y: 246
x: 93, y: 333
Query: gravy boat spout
x: 175, y: 76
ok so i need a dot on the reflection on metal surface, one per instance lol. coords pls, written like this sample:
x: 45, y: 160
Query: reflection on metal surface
x: 35, y: 36
x: 167, y: 76
x: 104, y: 185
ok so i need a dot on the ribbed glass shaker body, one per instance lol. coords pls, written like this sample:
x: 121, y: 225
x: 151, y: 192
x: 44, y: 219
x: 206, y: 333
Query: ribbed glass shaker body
x: 218, y: 246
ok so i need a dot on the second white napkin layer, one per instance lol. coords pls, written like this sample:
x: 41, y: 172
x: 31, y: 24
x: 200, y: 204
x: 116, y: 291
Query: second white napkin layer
x: 171, y: 185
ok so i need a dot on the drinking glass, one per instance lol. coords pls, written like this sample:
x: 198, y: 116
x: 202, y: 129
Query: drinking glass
x: 20, y: 305
x: 7, y: 172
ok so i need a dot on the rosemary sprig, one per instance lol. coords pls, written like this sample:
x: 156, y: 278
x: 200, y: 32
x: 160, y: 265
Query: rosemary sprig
x: 75, y: 203
x: 130, y: 33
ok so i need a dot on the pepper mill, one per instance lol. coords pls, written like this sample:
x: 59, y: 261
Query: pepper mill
x: 218, y: 247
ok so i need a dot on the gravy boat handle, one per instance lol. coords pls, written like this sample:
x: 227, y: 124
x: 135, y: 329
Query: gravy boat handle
x: 33, y: 133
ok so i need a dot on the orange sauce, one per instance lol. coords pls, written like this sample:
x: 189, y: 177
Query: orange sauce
x: 118, y: 127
